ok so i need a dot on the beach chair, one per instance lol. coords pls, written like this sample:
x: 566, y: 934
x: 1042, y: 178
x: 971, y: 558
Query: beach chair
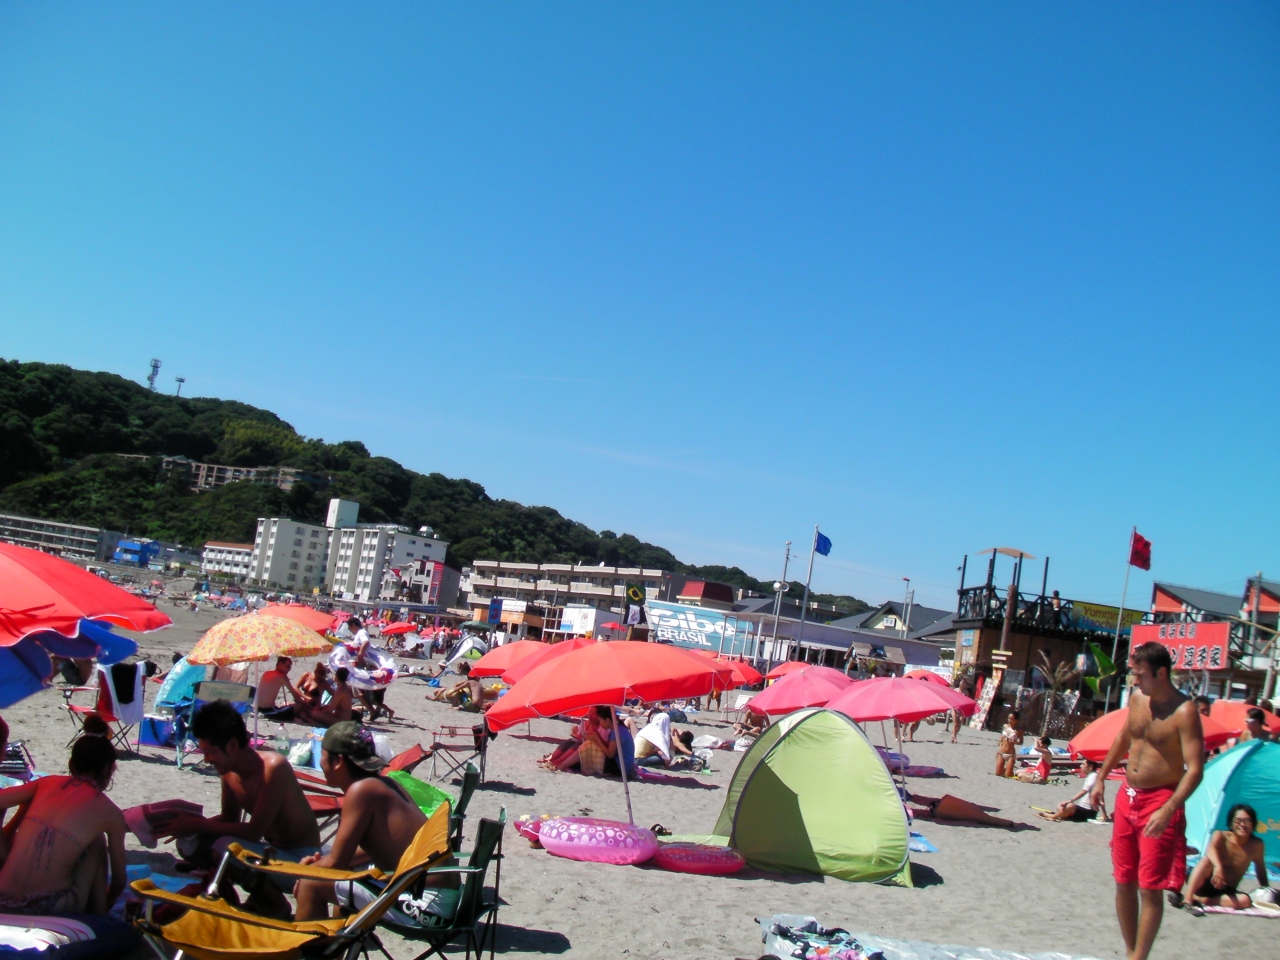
x: 121, y: 718
x: 239, y: 695
x: 452, y: 748
x: 476, y: 919
x: 213, y: 929
x: 326, y: 801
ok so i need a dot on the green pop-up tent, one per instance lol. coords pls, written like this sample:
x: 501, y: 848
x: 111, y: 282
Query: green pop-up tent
x: 811, y: 795
x: 1247, y: 773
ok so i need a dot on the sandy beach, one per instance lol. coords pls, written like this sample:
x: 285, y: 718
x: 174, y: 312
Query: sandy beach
x: 1046, y: 889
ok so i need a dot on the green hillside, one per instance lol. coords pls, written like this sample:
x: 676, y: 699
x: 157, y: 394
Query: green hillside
x: 61, y: 430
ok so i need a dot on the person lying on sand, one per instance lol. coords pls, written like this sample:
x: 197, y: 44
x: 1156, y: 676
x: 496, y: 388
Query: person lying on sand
x: 67, y: 831
x: 1214, y: 881
x: 948, y: 807
x: 1080, y: 807
x: 378, y: 822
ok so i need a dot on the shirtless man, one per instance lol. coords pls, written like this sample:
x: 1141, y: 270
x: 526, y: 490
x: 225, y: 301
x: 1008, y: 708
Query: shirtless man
x: 467, y: 692
x: 339, y: 707
x: 64, y: 839
x: 260, y: 784
x: 1214, y: 881
x: 378, y: 823
x: 269, y: 690
x: 1165, y: 746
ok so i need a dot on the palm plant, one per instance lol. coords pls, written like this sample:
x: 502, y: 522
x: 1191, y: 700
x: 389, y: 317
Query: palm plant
x: 1059, y: 675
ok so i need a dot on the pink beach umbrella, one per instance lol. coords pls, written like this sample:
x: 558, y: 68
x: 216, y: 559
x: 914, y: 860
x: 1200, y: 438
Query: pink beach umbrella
x: 811, y: 687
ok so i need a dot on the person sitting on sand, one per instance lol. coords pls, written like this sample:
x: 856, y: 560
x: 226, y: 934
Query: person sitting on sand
x: 948, y: 807
x: 1215, y: 879
x: 751, y: 725
x: 269, y: 691
x: 311, y: 690
x: 1040, y: 772
x: 66, y: 833
x: 1255, y: 726
x: 261, y: 784
x: 340, y: 706
x: 565, y: 756
x: 379, y: 821
x: 467, y: 694
x: 1007, y: 751
x: 1080, y: 807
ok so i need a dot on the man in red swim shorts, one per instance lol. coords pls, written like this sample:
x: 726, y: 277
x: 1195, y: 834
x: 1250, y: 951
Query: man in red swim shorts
x: 1165, y: 746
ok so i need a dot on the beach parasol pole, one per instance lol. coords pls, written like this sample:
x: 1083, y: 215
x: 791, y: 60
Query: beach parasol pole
x: 622, y: 765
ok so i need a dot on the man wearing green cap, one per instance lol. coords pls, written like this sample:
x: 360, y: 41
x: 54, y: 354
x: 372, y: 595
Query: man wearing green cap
x: 379, y: 821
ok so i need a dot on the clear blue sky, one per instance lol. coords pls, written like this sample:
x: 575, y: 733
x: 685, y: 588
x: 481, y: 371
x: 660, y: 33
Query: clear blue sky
x: 937, y: 277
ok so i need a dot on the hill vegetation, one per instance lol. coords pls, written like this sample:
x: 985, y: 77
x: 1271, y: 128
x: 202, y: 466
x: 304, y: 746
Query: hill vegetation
x: 62, y: 431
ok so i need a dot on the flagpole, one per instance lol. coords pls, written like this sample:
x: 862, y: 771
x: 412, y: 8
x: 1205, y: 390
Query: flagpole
x: 804, y: 606
x: 1124, y: 595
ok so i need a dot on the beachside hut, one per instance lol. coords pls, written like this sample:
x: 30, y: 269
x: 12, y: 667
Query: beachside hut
x: 1247, y: 773
x: 811, y: 795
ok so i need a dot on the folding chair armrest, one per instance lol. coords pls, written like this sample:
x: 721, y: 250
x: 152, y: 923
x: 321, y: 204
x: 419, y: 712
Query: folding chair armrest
x: 439, y: 870
x: 302, y: 871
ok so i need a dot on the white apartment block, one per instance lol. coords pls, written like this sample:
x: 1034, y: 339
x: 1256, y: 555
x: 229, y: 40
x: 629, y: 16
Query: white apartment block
x: 289, y: 555
x: 73, y: 541
x: 556, y: 584
x: 360, y: 557
x: 228, y: 559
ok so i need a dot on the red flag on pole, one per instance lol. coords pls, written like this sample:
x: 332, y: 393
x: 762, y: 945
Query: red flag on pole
x: 1140, y: 552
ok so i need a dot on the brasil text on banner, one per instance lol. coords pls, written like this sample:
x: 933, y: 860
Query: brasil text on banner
x: 698, y: 628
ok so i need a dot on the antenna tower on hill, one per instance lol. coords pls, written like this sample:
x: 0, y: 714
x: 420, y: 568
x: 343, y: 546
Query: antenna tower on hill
x: 155, y: 372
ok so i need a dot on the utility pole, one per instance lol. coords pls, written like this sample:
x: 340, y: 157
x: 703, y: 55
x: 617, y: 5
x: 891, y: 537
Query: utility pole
x: 181, y: 381
x: 804, y: 607
x: 906, y: 606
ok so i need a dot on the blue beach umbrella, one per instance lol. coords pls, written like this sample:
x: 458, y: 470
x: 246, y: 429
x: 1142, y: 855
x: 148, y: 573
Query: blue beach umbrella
x: 25, y: 667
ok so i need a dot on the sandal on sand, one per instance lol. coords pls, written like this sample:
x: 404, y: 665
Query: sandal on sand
x: 1175, y: 899
x: 658, y: 830
x: 1195, y: 910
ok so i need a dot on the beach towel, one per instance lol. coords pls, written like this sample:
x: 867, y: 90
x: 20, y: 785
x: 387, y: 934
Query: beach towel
x: 920, y: 770
x: 1272, y: 914
x: 124, y: 681
x: 918, y: 844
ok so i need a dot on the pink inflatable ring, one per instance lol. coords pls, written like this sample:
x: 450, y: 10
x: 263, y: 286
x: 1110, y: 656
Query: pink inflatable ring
x: 599, y: 841
x: 698, y: 858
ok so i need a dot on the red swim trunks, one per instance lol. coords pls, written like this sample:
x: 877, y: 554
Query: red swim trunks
x: 1153, y: 863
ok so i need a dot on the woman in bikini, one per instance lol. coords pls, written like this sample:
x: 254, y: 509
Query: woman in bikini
x: 1007, y: 751
x: 67, y: 832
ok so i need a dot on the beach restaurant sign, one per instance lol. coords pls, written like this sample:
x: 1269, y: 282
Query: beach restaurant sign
x: 1193, y: 646
x: 697, y: 627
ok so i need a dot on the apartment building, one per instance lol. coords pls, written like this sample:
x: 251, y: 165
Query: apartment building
x: 360, y: 557
x: 208, y: 476
x: 289, y: 555
x: 71, y: 540
x: 227, y: 559
x: 557, y: 584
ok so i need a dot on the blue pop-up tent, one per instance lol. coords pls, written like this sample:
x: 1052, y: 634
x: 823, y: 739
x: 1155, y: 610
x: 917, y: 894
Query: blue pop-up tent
x: 1247, y: 773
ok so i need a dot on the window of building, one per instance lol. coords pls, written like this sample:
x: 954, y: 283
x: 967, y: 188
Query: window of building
x: 293, y: 566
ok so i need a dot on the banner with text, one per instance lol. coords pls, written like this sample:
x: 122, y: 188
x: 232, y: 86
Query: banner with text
x: 1193, y: 646
x: 1099, y: 617
x: 698, y: 628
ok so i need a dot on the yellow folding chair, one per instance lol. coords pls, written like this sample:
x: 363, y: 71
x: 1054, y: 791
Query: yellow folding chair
x: 213, y: 929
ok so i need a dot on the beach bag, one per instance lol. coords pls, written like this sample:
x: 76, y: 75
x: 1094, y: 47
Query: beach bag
x: 425, y: 795
x: 591, y: 758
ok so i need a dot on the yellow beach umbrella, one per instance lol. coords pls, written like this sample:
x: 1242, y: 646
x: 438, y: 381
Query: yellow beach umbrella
x: 244, y: 639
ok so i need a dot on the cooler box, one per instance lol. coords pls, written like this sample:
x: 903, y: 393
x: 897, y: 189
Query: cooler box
x: 156, y: 731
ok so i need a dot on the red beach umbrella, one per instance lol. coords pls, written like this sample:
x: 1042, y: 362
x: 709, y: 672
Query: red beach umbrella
x: 897, y: 698
x: 1093, y: 742
x: 799, y: 689
x: 553, y: 651
x: 309, y: 617
x: 39, y: 591
x: 395, y: 629
x: 503, y: 658
x: 788, y: 666
x: 1231, y: 714
x: 608, y: 673
x: 927, y: 675
x: 743, y: 673
x: 612, y: 625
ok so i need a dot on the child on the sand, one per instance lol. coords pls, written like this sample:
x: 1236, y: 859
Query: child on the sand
x: 1040, y: 772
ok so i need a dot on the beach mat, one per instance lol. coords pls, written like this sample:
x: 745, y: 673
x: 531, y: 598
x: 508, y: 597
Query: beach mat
x: 919, y: 950
x: 1251, y: 912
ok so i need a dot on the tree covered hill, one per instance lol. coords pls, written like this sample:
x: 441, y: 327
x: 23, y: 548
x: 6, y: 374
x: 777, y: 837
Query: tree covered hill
x: 61, y: 430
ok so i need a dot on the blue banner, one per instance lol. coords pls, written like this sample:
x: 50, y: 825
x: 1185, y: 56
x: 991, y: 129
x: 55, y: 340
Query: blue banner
x: 699, y: 628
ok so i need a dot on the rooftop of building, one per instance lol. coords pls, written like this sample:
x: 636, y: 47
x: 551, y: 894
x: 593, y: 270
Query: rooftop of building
x: 1209, y: 601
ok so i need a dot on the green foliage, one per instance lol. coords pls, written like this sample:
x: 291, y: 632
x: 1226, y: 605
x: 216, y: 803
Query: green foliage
x: 1098, y: 685
x: 61, y: 428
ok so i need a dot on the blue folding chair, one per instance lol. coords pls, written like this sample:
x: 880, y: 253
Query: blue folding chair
x: 239, y: 695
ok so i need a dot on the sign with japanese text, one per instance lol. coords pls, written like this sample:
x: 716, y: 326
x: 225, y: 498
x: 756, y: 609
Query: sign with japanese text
x: 1193, y: 646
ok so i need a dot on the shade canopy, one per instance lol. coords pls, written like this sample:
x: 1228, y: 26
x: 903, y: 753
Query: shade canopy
x: 1247, y: 773
x: 813, y: 687
x: 248, y: 638
x: 477, y: 625
x: 517, y: 671
x: 309, y: 617
x: 1231, y: 714
x: 500, y: 659
x: 897, y: 698
x: 39, y: 591
x: 608, y: 674
x: 1093, y: 742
